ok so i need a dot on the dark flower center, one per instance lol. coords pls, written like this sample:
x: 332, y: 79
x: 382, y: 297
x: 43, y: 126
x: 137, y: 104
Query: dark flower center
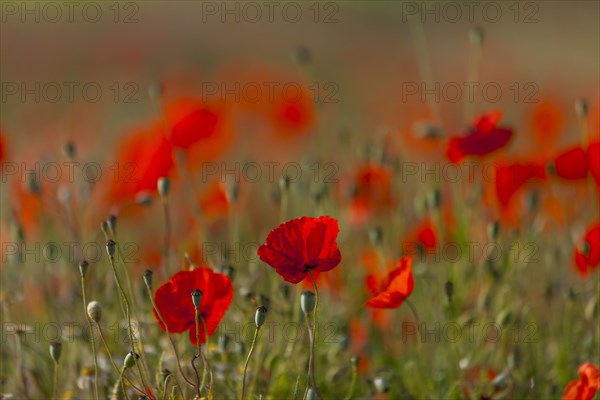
x: 308, y: 267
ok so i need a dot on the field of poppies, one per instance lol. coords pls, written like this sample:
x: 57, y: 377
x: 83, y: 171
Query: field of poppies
x: 300, y: 200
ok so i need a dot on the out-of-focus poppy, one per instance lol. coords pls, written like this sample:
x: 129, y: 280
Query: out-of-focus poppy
x: 27, y: 199
x: 214, y: 201
x: 142, y: 157
x: 587, y: 253
x: 174, y: 301
x: 190, y: 121
x: 547, y: 122
x: 391, y: 291
x: 483, y: 138
x: 302, y: 245
x: 510, y: 178
x: 369, y: 190
x: 586, y: 386
x: 571, y: 163
x: 424, y: 236
x: 293, y: 114
x: 593, y: 161
x: 2, y: 147
x: 475, y: 377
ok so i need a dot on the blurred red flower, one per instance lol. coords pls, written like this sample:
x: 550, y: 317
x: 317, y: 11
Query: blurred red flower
x: 391, y: 291
x: 190, y: 121
x: 2, y: 147
x: 301, y: 245
x: 483, y: 138
x: 369, y: 190
x: 587, y: 255
x: 510, y: 178
x: 214, y: 201
x: 424, y: 235
x: 571, y: 163
x: 593, y: 159
x: 586, y: 386
x: 547, y: 122
x: 174, y: 301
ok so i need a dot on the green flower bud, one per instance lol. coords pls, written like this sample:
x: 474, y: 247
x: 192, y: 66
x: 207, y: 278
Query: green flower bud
x: 111, y: 247
x: 260, y: 316
x: 148, y: 278
x: 83, y: 267
x: 311, y: 394
x: 94, y: 311
x: 55, y: 351
x: 197, y: 298
x: 381, y: 385
x: 307, y: 301
x: 130, y: 359
x: 112, y: 222
x: 164, y: 186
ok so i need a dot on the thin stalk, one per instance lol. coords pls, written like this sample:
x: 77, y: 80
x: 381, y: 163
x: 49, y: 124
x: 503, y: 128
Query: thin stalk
x: 167, y: 239
x: 55, y: 382
x: 206, y: 363
x: 248, y: 361
x: 352, y: 383
x: 311, y: 364
x: 89, y: 320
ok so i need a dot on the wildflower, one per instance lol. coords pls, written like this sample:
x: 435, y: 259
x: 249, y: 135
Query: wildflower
x: 587, y: 254
x: 586, y: 386
x: 394, y: 289
x: 301, y: 245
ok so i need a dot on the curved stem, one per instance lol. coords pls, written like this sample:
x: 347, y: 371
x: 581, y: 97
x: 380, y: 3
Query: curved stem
x: 89, y: 320
x: 206, y: 363
x: 248, y: 361
x: 189, y: 382
x: 352, y: 383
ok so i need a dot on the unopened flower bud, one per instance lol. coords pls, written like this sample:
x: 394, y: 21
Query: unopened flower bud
x: 112, y: 222
x: 449, y: 290
x: 94, y: 311
x: 311, y: 394
x: 55, y: 351
x: 260, y: 316
x: 493, y: 230
x: 476, y: 35
x: 307, y: 301
x: 301, y: 55
x: 83, y: 267
x: 284, y: 183
x: 111, y: 246
x: 197, y: 298
x: 143, y: 199
x: 104, y: 227
x: 163, y: 185
x: 355, y: 361
x: 581, y: 108
x: 434, y: 199
x: 70, y: 149
x: 381, y: 385
x: 148, y: 278
x: 376, y: 235
x: 130, y: 359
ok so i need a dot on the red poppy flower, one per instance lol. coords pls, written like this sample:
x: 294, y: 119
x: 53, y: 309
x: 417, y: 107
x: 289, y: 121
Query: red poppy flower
x: 511, y: 178
x: 394, y: 289
x: 484, y: 138
x: 143, y: 156
x: 593, y: 158
x: 369, y: 189
x: 571, y: 163
x: 301, y: 245
x: 174, y: 301
x: 293, y: 115
x: 586, y: 386
x: 191, y: 121
x: 587, y: 254
x: 547, y: 122
x: 424, y: 235
x: 215, y: 201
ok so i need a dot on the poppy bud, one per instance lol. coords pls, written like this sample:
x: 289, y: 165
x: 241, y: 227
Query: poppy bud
x: 83, y: 267
x: 355, y: 361
x: 301, y: 55
x: 581, y: 108
x: 155, y: 90
x: 197, y: 298
x: 434, y: 198
x: 55, y: 351
x: 70, y: 149
x: 223, y: 343
x: 233, y: 190
x: 163, y: 185
x: 104, y: 227
x: 284, y: 183
x: 311, y: 394
x: 112, y: 222
x: 381, y: 385
x: 111, y: 246
x: 428, y: 130
x: 94, y: 311
x: 376, y: 235
x: 493, y: 229
x: 148, y: 278
x: 130, y: 359
x: 307, y: 301
x: 64, y: 195
x: 260, y: 316
x: 449, y: 290
x: 476, y: 35
x: 143, y: 199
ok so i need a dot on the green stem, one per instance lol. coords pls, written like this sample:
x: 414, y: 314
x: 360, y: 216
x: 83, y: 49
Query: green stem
x: 311, y: 363
x: 352, y: 383
x: 167, y: 235
x: 89, y: 320
x: 248, y: 361
x: 55, y: 382
x: 199, y: 344
x: 206, y: 363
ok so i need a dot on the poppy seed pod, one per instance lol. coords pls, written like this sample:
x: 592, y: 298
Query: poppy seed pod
x: 111, y: 247
x: 148, y: 278
x: 94, y: 311
x: 55, y: 351
x: 381, y: 385
x: 130, y: 359
x: 164, y: 186
x: 83, y: 267
x: 260, y: 316
x: 197, y: 298
x: 307, y: 301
